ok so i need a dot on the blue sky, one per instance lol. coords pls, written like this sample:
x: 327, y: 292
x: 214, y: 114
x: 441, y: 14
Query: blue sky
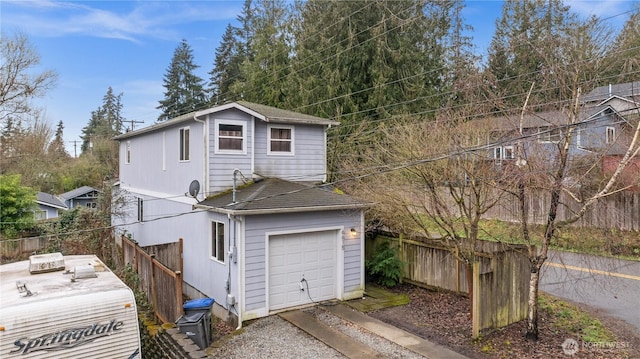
x: 128, y: 45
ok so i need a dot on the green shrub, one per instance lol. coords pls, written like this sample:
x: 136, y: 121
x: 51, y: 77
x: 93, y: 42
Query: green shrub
x: 385, y: 267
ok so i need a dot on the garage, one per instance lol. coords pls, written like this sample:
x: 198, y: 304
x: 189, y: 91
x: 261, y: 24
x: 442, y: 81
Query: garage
x: 292, y: 257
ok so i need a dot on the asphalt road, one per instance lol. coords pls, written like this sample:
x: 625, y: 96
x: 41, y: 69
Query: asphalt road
x: 611, y: 285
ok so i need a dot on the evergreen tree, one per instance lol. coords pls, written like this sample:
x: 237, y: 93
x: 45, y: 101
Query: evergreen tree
x: 264, y: 72
x: 530, y: 38
x: 226, y: 67
x: 56, y: 148
x: 368, y: 60
x: 624, y: 56
x: 184, y: 90
x: 105, y: 122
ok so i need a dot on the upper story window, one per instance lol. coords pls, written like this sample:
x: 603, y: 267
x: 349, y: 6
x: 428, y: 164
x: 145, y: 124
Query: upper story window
x: 280, y: 140
x: 611, y: 135
x: 231, y: 136
x: 503, y: 153
x: 127, y: 153
x: 549, y: 135
x: 184, y: 144
x: 140, y: 208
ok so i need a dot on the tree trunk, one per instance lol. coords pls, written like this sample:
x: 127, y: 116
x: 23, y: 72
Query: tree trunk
x: 532, y: 317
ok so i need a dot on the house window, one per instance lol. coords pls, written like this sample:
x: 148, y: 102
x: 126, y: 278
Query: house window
x: 40, y: 214
x: 127, y: 153
x: 507, y: 153
x: 549, y: 135
x: 184, y: 144
x: 611, y: 135
x: 140, y: 210
x: 280, y: 140
x: 497, y: 153
x: 91, y: 205
x: 217, y: 241
x: 231, y: 136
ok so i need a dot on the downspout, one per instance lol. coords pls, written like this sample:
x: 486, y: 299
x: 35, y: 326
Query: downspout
x: 205, y: 157
x: 240, y: 272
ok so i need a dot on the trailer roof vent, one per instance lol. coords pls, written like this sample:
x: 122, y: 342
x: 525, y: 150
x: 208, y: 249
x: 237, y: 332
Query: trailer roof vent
x: 83, y: 272
x: 42, y: 263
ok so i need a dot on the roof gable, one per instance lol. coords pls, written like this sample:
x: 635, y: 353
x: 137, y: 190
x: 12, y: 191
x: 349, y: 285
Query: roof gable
x: 78, y: 192
x: 261, y: 112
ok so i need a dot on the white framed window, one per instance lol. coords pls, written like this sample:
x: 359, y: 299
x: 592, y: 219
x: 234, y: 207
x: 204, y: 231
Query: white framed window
x: 497, y: 153
x: 508, y: 153
x: 140, y: 210
x: 231, y: 136
x: 184, y: 144
x: 217, y: 241
x: 40, y: 214
x: 280, y: 140
x: 127, y: 153
x: 611, y: 135
x: 549, y: 135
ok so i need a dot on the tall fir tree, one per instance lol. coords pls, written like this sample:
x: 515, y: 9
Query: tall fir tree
x: 624, y: 56
x: 529, y: 41
x: 105, y: 122
x: 56, y: 149
x: 226, y: 67
x: 264, y: 72
x: 184, y: 90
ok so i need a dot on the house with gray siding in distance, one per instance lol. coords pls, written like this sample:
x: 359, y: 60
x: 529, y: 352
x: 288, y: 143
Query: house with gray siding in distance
x: 49, y: 206
x: 244, y: 186
x: 84, y: 196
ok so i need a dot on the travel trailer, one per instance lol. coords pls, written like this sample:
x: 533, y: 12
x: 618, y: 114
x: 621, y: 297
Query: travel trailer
x: 55, y: 306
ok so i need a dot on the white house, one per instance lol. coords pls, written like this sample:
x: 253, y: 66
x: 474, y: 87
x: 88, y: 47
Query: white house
x: 241, y: 184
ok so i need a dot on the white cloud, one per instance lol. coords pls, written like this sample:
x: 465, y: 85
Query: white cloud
x: 126, y: 20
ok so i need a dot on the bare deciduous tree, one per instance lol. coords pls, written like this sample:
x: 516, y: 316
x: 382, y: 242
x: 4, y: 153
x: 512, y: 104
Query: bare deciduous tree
x: 20, y: 79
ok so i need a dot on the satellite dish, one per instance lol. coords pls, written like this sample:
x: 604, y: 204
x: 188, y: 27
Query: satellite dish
x: 194, y: 188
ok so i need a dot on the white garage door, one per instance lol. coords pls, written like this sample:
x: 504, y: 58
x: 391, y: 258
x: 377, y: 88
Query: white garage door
x: 311, y: 256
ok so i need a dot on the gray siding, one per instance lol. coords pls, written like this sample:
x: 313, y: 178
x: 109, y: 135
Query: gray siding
x: 307, y: 162
x: 256, y: 228
x: 155, y: 160
x: 222, y: 166
x: 167, y: 220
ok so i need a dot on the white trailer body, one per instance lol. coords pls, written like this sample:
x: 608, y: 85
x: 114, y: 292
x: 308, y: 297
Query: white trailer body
x: 80, y: 311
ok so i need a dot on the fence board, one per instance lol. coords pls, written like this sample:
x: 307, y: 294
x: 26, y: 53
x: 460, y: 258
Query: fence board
x: 162, y: 285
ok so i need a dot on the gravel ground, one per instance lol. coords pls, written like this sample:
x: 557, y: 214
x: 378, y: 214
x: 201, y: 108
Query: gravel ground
x: 274, y: 337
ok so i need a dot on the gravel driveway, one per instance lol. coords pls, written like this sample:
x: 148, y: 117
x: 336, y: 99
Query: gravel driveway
x: 274, y: 337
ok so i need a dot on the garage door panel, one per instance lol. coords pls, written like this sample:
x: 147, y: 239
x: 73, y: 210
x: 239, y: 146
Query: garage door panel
x: 309, y: 255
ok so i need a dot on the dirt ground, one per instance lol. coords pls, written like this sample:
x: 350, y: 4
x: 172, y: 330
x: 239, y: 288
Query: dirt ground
x: 445, y: 318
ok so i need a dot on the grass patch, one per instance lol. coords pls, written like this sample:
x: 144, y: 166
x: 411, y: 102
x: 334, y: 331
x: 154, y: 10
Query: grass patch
x: 573, y: 320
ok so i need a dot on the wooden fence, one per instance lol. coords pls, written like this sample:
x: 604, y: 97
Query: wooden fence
x: 18, y: 249
x: 162, y: 285
x: 617, y: 211
x: 499, y: 277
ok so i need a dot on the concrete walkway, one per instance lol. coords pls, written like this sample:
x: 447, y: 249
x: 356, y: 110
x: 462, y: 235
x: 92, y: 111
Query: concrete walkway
x: 352, y: 348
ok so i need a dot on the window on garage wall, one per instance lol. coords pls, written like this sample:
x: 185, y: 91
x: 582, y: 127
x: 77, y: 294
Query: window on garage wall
x: 217, y: 241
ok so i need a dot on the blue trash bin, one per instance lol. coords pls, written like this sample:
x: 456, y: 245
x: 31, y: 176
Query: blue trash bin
x: 201, y: 305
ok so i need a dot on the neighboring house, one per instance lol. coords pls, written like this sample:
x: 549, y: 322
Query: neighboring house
x: 84, y: 196
x: 239, y: 183
x: 605, y: 125
x: 49, y: 206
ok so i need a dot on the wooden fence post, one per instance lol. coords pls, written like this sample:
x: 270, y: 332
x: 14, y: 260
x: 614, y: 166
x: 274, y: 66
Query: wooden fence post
x: 475, y: 300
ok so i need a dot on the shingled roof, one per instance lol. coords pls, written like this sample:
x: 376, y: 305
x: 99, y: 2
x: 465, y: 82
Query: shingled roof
x: 50, y: 200
x: 274, y: 195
